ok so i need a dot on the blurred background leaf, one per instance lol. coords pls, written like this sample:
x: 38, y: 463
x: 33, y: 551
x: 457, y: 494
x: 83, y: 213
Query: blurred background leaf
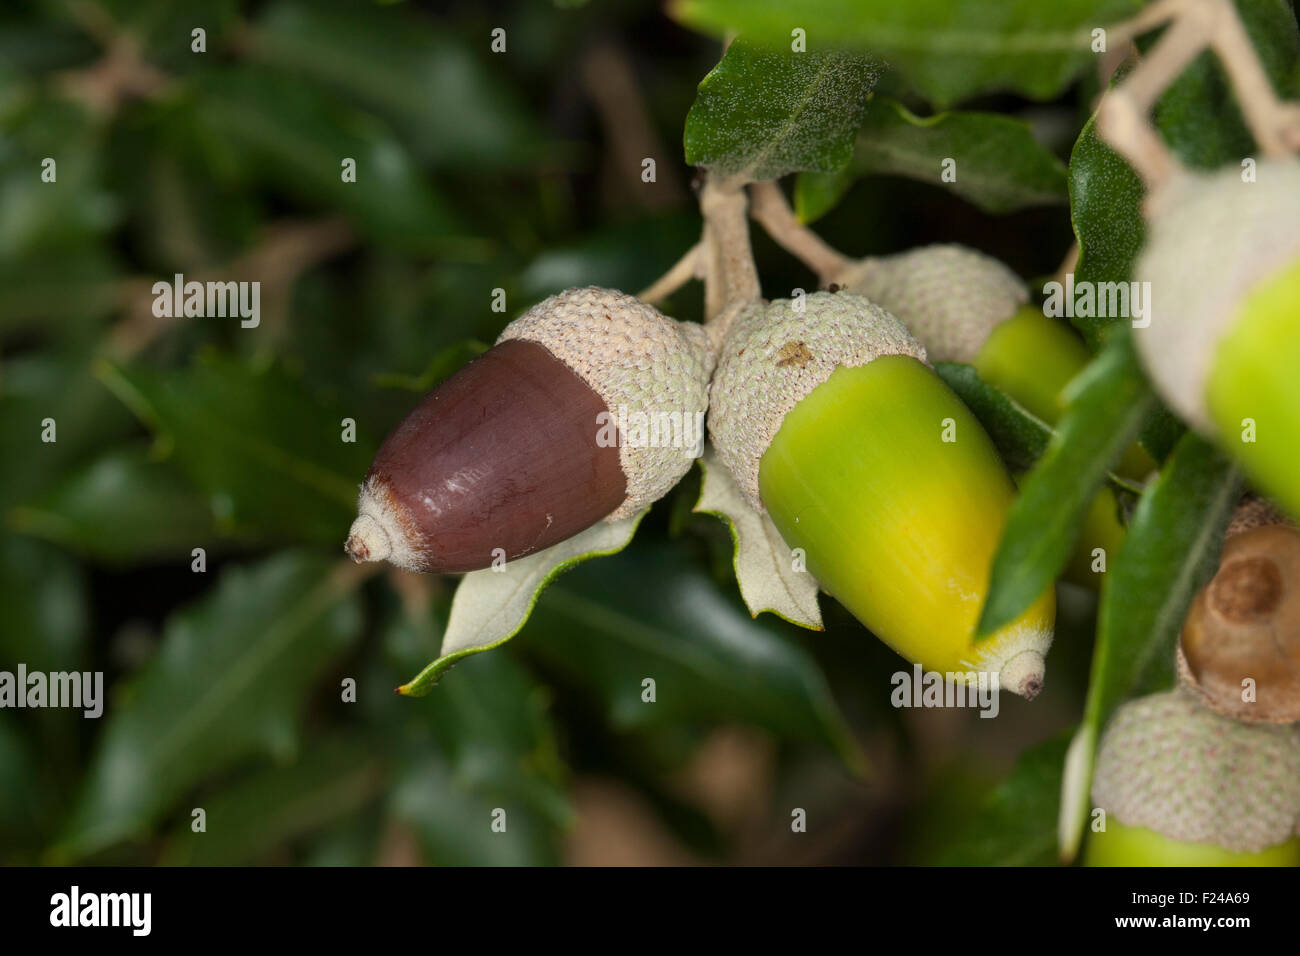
x: 707, y: 658
x: 287, y: 473
x: 227, y: 684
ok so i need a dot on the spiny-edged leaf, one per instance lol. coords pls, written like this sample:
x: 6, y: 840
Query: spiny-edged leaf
x: 73, y: 209
x: 710, y: 661
x: 442, y: 98
x: 122, y: 508
x: 1110, y: 401
x: 42, y: 594
x: 269, y: 456
x: 62, y: 294
x: 294, y: 135
x: 1020, y: 438
x: 271, y: 808
x: 949, y: 49
x: 495, y: 752
x: 626, y: 255
x: 492, y: 605
x: 764, y: 112
x: 1016, y: 824
x: 1171, y: 550
x: 1000, y: 167
x: 162, y: 27
x: 227, y: 684
x: 57, y: 386
x: 765, y: 571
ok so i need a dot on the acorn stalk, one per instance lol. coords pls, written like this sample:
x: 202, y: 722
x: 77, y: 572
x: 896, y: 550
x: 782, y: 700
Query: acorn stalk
x: 588, y: 408
x: 1223, y: 344
x: 832, y: 424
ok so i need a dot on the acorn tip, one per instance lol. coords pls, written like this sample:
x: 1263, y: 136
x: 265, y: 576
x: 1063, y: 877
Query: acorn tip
x: 367, y: 540
x: 1024, y: 674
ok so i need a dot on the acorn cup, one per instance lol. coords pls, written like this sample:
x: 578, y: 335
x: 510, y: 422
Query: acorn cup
x: 1182, y: 786
x: 949, y: 296
x: 1223, y: 344
x: 588, y: 408
x: 965, y: 306
x: 1239, y: 650
x: 833, y: 425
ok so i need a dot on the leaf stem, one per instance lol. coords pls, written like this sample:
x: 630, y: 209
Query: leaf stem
x: 730, y: 277
x: 685, y: 269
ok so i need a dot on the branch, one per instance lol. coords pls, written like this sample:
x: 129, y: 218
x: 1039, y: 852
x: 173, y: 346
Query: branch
x: 1123, y: 118
x: 773, y: 213
x: 287, y: 250
x: 730, y: 278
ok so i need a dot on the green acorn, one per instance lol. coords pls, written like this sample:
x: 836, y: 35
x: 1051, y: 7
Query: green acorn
x: 831, y: 422
x: 1223, y: 343
x: 964, y: 306
x: 1182, y: 786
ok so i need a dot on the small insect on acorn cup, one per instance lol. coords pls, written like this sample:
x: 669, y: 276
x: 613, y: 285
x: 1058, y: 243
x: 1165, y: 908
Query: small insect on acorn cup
x: 1179, y: 785
x: 832, y: 423
x: 1223, y: 344
x: 588, y: 408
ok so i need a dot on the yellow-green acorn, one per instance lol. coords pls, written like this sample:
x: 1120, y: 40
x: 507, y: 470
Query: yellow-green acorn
x: 589, y: 407
x: 1182, y: 786
x: 965, y: 306
x: 1223, y: 344
x: 827, y: 415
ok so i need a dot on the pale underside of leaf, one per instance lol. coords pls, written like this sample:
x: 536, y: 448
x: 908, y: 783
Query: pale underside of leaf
x: 492, y: 605
x: 1155, y: 625
x: 764, y: 570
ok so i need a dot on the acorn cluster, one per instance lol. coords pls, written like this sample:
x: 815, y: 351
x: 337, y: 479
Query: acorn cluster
x: 1208, y: 774
x: 824, y: 410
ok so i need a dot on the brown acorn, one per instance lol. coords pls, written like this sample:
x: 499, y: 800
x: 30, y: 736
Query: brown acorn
x: 589, y: 407
x: 1239, y: 651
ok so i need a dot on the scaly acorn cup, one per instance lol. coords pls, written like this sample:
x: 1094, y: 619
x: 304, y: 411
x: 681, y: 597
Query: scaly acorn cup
x: 949, y: 296
x: 832, y: 423
x: 589, y: 407
x: 1182, y: 786
x: 1239, y: 650
x: 965, y: 306
x: 1223, y: 344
